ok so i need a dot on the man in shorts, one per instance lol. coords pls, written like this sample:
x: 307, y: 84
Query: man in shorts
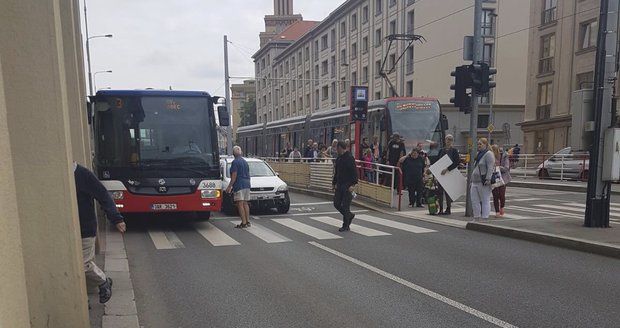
x: 240, y: 186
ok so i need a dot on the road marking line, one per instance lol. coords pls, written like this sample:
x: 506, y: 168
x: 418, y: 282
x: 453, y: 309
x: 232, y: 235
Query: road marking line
x: 317, y: 213
x: 393, y: 224
x: 354, y: 227
x: 165, y: 239
x: 316, y: 203
x: 306, y: 229
x: 523, y: 199
x: 263, y: 233
x: 419, y: 289
x: 214, y: 235
x: 584, y: 206
x: 550, y: 212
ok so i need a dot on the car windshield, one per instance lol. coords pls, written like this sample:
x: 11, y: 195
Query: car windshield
x: 257, y: 169
x: 155, y: 131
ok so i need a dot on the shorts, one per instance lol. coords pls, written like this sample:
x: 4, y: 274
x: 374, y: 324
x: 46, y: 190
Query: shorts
x: 242, y: 195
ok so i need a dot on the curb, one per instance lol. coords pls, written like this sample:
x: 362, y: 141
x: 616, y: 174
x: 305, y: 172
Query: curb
x: 548, y: 239
x: 554, y: 186
x: 120, y: 311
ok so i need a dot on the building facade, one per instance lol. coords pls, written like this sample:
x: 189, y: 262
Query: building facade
x: 240, y: 94
x: 561, y: 60
x: 311, y: 67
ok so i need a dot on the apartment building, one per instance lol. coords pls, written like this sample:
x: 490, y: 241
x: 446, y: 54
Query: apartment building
x: 310, y: 66
x: 561, y: 60
x: 240, y: 94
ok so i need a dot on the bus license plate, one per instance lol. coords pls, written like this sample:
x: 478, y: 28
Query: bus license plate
x: 164, y: 207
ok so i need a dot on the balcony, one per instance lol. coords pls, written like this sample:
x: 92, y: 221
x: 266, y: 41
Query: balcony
x: 543, y: 112
x: 549, y: 16
x: 545, y: 65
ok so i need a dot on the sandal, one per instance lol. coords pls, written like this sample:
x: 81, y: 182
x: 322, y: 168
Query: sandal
x: 241, y: 226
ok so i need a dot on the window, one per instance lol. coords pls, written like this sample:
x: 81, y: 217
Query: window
x: 354, y: 78
x: 281, y: 70
x: 378, y: 37
x: 409, y: 60
x: 585, y: 81
x: 343, y: 85
x: 391, y: 62
x: 307, y: 53
x: 343, y: 29
x: 587, y: 34
x: 316, y: 99
x: 287, y: 89
x: 354, y: 50
x: 268, y: 59
x: 316, y: 49
x: 343, y: 56
x: 378, y: 7
x: 262, y: 63
x: 549, y: 11
x: 353, y: 22
x: 307, y: 76
x: 325, y: 92
x: 365, y: 74
x: 378, y: 68
x: 333, y: 92
x: 487, y: 53
x: 377, y: 95
x: 483, y: 121
x: 392, y: 2
x: 333, y: 66
x: 316, y: 74
x: 333, y: 44
x: 292, y: 62
x: 545, y: 97
x: 324, y: 67
x: 324, y: 42
x: 307, y: 100
x: 275, y: 73
x: 301, y: 103
x: 294, y: 85
x: 364, y: 44
x: 392, y: 27
x: 410, y: 17
x: 488, y: 18
x: 409, y: 89
x: 547, y: 51
x: 365, y: 15
x: 299, y: 58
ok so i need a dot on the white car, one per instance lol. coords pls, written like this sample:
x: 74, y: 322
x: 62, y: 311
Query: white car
x: 566, y: 164
x: 267, y: 189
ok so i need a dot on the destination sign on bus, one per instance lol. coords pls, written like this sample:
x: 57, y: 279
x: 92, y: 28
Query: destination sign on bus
x: 414, y: 106
x: 173, y: 105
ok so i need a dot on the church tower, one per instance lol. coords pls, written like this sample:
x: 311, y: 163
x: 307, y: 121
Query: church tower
x: 283, y: 17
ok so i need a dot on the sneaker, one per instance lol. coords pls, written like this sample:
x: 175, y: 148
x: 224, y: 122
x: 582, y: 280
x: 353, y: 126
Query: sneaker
x: 343, y: 229
x: 105, y: 291
x: 501, y: 211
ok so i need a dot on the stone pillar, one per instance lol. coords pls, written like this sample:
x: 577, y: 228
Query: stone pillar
x: 39, y: 81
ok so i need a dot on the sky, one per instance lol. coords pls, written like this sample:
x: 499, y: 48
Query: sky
x: 179, y: 44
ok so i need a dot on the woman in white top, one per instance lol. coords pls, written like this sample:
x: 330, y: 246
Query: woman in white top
x: 481, y: 181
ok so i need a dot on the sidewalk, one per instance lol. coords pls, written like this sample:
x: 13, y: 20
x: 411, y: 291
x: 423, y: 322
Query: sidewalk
x: 575, y: 186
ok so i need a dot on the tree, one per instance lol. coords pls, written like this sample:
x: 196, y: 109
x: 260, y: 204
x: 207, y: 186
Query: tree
x: 247, y: 113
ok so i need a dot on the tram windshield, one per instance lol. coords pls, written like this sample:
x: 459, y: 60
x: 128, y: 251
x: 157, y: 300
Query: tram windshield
x: 417, y: 122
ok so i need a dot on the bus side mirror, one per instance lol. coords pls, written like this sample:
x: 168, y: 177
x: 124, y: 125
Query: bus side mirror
x: 222, y: 114
x: 444, y: 123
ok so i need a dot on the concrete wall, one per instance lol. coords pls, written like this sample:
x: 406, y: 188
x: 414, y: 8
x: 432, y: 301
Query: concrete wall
x: 41, y: 132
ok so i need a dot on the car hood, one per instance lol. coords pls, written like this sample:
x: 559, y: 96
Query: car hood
x: 260, y: 182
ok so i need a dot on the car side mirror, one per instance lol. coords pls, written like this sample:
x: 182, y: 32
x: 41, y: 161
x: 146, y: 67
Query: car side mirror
x: 223, y: 115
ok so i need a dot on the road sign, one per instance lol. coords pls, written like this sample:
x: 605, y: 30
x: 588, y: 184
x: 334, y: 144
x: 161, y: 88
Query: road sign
x: 491, y: 128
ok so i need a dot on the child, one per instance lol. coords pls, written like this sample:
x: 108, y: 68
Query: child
x: 367, y: 158
x: 432, y: 199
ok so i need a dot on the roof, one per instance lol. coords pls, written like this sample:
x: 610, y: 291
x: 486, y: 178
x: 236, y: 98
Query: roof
x: 152, y: 92
x: 296, y: 30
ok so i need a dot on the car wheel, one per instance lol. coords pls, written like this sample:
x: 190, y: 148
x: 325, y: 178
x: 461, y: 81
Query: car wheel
x: 543, y: 174
x: 285, y: 205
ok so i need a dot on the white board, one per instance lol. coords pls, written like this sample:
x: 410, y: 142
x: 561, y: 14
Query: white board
x: 453, y: 182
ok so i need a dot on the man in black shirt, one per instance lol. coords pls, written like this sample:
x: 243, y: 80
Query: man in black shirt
x: 343, y: 183
x: 413, y: 170
x: 88, y: 188
x: 396, y: 150
x: 453, y: 153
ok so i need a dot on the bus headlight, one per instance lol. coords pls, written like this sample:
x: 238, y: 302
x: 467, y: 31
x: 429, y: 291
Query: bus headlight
x: 117, y: 195
x: 282, y: 188
x: 208, y: 193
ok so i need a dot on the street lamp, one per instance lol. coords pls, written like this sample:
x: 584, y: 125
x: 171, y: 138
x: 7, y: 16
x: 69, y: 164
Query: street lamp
x: 90, y: 75
x: 95, y: 77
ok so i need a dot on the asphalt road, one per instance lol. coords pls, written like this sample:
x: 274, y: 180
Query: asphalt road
x: 281, y: 273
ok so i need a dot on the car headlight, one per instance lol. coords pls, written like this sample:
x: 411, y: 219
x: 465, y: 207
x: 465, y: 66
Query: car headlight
x: 282, y: 188
x: 117, y: 195
x: 209, y: 193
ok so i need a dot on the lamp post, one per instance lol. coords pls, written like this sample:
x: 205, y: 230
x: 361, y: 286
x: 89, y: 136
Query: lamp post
x: 88, y: 38
x: 95, y: 78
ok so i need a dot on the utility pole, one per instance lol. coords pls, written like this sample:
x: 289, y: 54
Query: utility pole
x: 90, y: 74
x: 597, y: 202
x: 229, y: 134
x: 473, y: 119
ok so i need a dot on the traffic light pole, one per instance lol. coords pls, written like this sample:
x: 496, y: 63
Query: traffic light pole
x: 473, y: 119
x: 598, y: 193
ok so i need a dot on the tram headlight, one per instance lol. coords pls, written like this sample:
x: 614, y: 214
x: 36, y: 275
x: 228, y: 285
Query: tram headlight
x: 209, y: 193
x: 117, y: 195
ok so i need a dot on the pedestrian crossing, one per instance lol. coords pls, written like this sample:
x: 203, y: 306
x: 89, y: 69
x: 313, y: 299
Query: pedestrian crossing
x: 320, y: 227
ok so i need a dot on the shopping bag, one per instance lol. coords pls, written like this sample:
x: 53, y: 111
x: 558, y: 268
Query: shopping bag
x: 496, y: 178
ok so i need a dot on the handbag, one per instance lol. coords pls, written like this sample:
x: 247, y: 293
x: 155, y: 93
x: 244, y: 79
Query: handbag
x: 496, y: 179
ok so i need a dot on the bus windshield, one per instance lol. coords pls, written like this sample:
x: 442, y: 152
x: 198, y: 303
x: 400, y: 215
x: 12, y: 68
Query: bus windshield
x: 155, y: 131
x: 417, y: 122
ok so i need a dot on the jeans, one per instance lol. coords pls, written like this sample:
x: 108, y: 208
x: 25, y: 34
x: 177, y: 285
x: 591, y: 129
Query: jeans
x: 342, y: 202
x: 415, y: 193
x: 481, y: 200
x: 93, y: 272
x: 499, y: 198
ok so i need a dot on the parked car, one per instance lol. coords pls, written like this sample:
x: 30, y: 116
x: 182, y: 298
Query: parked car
x: 567, y: 164
x: 267, y: 189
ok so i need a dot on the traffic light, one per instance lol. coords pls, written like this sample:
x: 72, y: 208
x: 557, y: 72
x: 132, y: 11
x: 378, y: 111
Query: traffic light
x: 359, y: 103
x: 462, y: 81
x: 481, y: 78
